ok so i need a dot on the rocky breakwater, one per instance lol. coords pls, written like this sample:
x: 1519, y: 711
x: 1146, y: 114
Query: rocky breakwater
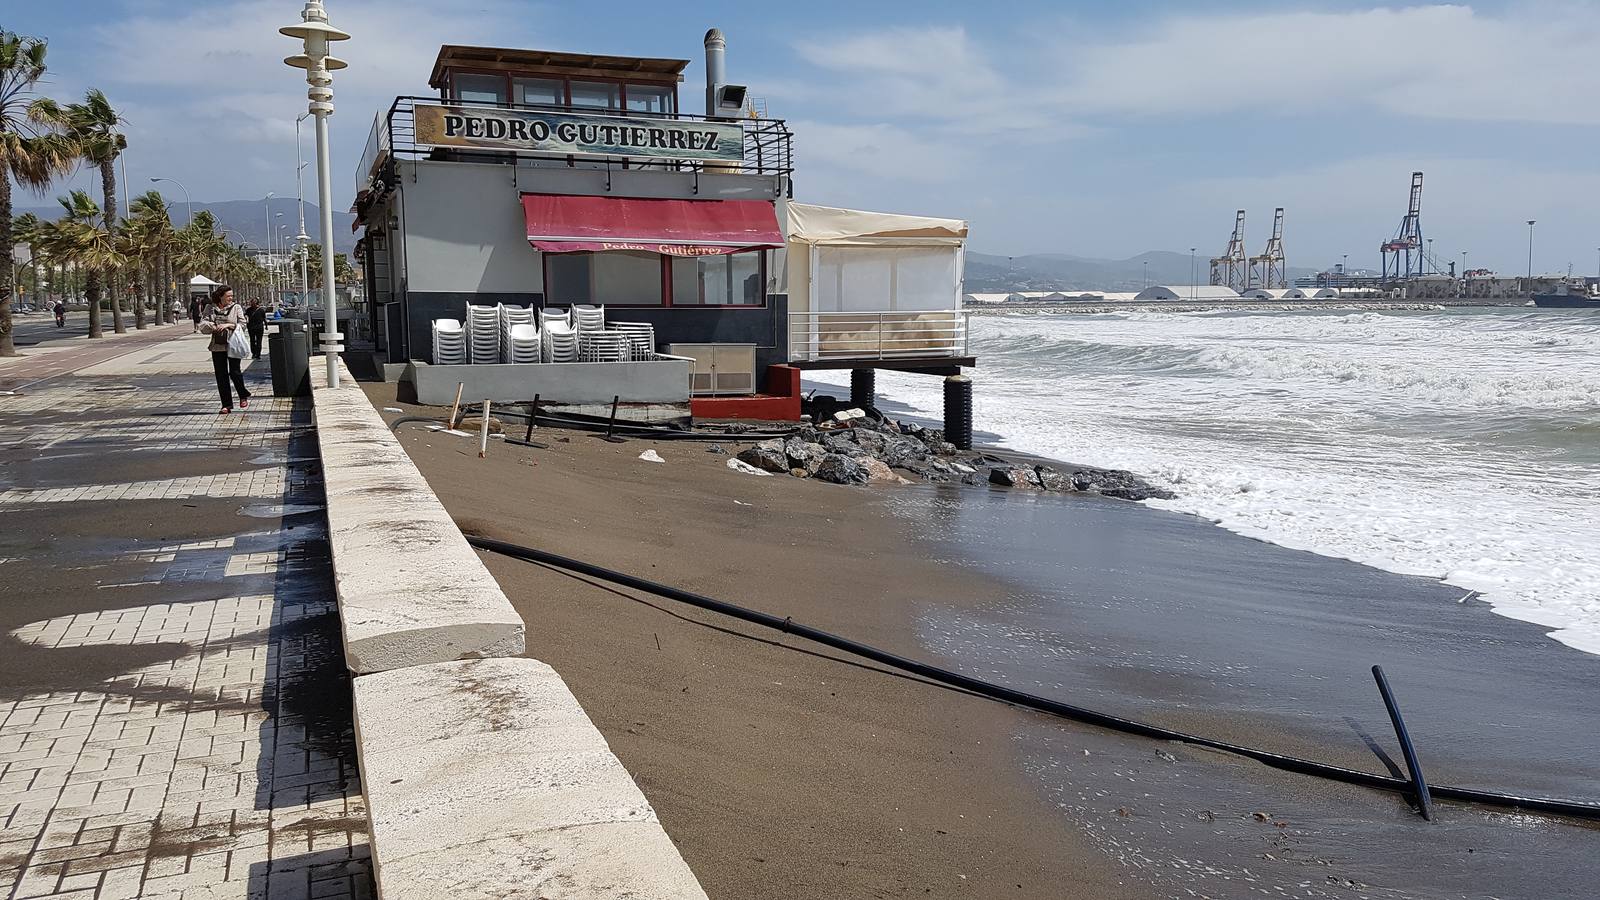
x: 863, y: 451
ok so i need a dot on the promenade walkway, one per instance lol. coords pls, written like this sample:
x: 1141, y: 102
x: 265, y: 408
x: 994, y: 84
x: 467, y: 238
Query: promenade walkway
x: 174, y: 708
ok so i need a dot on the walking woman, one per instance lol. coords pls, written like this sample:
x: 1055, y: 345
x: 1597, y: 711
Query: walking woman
x: 220, y: 319
x: 194, y: 313
x: 255, y: 320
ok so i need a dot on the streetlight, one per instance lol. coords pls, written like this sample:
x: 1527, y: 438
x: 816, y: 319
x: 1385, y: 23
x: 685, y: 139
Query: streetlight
x: 1433, y: 267
x: 1344, y: 270
x: 1193, y: 275
x: 1146, y: 265
x: 1530, y: 254
x: 315, y: 33
x: 302, y: 238
x: 1466, y: 286
x: 186, y: 198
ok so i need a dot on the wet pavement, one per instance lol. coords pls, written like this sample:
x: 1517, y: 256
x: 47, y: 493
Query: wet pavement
x: 1168, y: 619
x: 174, y: 710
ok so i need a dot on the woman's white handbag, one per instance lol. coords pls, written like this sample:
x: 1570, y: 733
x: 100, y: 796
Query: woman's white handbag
x: 238, y: 345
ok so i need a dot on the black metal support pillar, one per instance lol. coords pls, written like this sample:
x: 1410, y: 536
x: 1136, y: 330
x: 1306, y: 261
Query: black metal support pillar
x: 863, y: 387
x: 958, y: 411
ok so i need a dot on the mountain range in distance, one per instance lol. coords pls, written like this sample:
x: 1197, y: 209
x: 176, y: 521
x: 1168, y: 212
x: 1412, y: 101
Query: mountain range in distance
x: 1059, y: 272
x: 246, y: 218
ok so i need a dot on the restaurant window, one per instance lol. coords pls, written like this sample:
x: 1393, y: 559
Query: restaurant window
x: 730, y: 280
x: 596, y: 95
x: 539, y: 91
x: 479, y: 88
x: 649, y: 99
x: 615, y: 277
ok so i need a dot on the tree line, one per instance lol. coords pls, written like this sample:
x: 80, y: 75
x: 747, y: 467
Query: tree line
x: 138, y: 260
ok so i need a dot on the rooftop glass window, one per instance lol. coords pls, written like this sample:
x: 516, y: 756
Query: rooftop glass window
x: 596, y: 94
x: 539, y: 91
x: 647, y: 98
x: 479, y: 88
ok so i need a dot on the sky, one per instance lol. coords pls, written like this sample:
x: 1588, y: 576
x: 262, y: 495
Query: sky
x: 1089, y: 129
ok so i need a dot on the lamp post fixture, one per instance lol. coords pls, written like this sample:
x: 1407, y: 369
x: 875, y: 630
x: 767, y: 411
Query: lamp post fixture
x: 1466, y: 286
x: 1193, y: 275
x: 188, y: 201
x: 1530, y: 254
x: 302, y: 238
x: 315, y: 33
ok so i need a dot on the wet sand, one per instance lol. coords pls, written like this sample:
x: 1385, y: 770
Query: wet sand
x: 784, y: 773
x: 780, y: 771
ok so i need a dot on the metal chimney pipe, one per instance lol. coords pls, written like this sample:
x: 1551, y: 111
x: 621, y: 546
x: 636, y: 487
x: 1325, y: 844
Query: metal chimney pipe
x: 716, y: 71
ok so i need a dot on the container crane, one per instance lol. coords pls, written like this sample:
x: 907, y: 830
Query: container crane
x: 1403, y: 256
x: 1232, y: 268
x: 1269, y: 270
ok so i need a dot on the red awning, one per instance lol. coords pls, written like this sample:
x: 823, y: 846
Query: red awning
x: 558, y: 223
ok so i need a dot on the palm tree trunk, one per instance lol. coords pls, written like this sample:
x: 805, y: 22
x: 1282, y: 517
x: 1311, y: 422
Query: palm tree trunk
x: 91, y: 293
x: 7, y: 345
x: 108, y: 188
x: 137, y: 277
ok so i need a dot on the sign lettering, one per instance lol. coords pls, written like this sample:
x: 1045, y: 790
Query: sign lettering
x: 488, y: 128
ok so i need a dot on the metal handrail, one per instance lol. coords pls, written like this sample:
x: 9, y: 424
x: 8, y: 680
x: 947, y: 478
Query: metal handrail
x: 768, y: 143
x: 877, y: 334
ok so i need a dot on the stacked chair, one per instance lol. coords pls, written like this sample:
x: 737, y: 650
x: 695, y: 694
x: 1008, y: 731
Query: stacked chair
x: 643, y: 336
x: 510, y: 318
x: 604, y: 346
x: 449, y: 343
x: 559, y: 341
x: 483, y: 334
x: 523, y: 344
x: 588, y: 318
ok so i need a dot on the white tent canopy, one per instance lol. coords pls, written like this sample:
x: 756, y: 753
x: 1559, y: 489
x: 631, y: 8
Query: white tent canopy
x: 202, y: 281
x: 837, y: 227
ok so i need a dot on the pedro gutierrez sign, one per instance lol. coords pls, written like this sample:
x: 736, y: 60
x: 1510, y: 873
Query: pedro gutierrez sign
x: 488, y: 128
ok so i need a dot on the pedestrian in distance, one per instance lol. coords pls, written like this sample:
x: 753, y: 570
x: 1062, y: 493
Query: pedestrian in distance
x: 255, y: 317
x: 61, y: 313
x: 194, y: 312
x: 221, y: 319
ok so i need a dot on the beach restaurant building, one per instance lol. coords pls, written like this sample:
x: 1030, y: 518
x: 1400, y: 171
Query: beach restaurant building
x: 560, y: 199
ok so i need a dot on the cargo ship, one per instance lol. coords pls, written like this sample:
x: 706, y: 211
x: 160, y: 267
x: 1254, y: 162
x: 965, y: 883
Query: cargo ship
x: 1567, y: 296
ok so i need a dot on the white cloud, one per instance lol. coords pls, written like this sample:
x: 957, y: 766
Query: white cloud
x: 1447, y: 62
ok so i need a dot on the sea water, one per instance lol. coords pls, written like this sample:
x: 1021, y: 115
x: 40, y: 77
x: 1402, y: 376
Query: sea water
x: 1458, y: 444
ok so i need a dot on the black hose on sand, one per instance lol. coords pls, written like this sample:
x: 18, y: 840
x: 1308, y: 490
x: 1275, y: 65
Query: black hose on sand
x: 1025, y: 700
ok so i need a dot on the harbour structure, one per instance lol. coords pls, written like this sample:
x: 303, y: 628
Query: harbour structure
x: 1193, y: 292
x: 1232, y: 268
x: 1402, y: 255
x: 1270, y: 269
x: 545, y: 202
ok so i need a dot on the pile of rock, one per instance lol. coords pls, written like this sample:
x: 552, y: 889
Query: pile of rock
x: 876, y: 451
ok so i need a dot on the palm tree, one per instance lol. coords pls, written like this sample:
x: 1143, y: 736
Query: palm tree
x: 93, y: 126
x: 152, y: 226
x: 79, y: 237
x: 29, y: 154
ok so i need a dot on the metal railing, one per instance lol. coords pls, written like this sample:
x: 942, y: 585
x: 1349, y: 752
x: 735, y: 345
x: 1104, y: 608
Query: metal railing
x: 768, y: 143
x: 815, y: 336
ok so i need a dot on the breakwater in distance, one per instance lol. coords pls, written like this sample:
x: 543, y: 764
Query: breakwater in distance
x: 1180, y: 306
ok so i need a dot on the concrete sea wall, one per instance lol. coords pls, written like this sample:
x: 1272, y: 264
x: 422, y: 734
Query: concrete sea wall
x: 483, y: 776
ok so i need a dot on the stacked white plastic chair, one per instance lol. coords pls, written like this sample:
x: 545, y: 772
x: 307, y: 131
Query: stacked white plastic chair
x: 511, y: 317
x: 588, y: 318
x: 558, y: 338
x: 643, y: 335
x: 604, y: 346
x: 522, y: 344
x: 483, y: 334
x: 449, y: 343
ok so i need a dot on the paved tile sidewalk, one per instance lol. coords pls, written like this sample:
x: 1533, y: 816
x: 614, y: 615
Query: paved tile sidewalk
x: 174, y: 711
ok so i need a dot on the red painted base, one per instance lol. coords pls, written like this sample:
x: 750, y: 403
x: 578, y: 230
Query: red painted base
x: 762, y: 406
x: 782, y: 404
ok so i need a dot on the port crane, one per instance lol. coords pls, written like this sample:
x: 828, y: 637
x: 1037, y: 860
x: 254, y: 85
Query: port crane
x: 1403, y: 256
x: 1269, y: 270
x: 1232, y: 268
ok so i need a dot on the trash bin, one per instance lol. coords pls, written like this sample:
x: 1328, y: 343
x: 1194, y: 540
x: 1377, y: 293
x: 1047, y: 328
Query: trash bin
x: 291, y: 361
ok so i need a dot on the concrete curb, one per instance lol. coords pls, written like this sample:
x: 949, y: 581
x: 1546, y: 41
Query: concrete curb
x: 484, y: 779
x: 411, y: 589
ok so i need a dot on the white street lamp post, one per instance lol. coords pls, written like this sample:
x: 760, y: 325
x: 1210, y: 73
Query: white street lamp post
x: 302, y: 238
x: 315, y: 33
x: 187, y: 200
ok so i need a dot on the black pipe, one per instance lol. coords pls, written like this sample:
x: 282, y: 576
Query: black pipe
x: 612, y: 425
x: 1004, y: 694
x: 1419, y: 785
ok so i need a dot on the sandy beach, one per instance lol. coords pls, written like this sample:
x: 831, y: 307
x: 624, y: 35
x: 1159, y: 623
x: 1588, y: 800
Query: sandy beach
x: 783, y: 771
